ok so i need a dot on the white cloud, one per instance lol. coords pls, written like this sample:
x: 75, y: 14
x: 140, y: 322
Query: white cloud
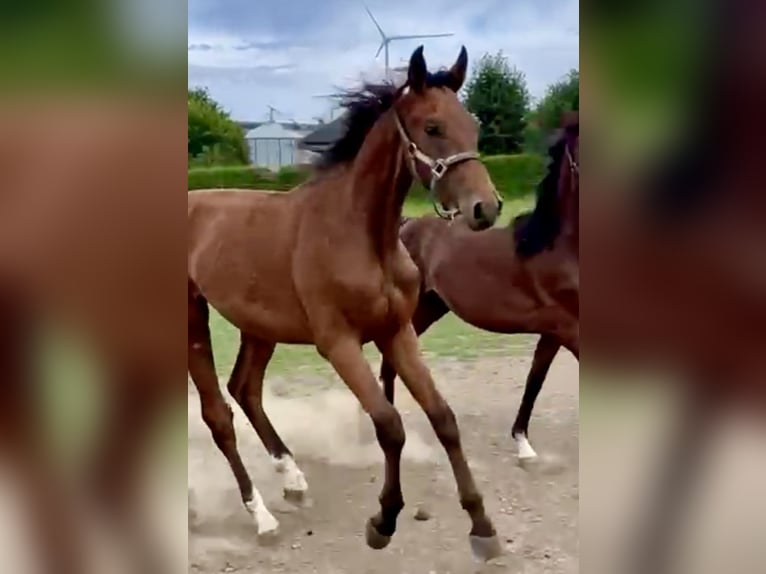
x: 261, y: 54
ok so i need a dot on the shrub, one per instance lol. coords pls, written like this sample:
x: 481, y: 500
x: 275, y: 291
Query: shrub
x: 213, y: 137
x: 514, y: 175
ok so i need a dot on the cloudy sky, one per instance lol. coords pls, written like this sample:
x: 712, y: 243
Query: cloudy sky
x: 254, y: 53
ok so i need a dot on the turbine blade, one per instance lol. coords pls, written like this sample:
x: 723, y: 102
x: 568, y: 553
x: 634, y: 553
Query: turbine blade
x: 374, y: 21
x: 415, y: 36
x: 380, y: 48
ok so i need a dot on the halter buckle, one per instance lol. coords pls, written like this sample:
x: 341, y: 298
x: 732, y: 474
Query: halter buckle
x: 439, y: 168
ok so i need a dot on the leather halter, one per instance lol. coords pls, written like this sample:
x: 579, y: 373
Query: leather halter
x: 574, y: 167
x: 438, y: 167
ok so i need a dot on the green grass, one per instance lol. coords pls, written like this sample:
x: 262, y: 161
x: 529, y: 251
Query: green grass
x: 449, y: 339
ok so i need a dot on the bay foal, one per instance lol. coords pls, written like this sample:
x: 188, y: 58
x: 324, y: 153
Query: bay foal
x: 323, y: 265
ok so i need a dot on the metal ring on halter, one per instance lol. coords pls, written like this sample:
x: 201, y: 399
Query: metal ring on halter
x: 438, y: 168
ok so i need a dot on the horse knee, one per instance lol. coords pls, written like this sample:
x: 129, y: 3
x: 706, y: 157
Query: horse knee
x: 389, y: 428
x: 219, y: 418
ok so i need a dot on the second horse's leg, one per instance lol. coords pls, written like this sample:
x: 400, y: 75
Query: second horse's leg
x: 403, y: 353
x: 246, y: 386
x: 430, y: 309
x: 546, y: 350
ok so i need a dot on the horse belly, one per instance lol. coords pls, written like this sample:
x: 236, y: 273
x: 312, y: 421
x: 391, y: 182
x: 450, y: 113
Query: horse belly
x: 499, y: 310
x: 268, y: 322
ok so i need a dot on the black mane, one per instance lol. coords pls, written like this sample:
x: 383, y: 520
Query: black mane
x: 363, y: 108
x: 536, y: 230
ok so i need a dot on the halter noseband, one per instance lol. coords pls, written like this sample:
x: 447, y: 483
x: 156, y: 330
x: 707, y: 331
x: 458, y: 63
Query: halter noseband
x: 438, y: 167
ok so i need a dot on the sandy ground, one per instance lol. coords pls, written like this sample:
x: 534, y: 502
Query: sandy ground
x: 535, y: 510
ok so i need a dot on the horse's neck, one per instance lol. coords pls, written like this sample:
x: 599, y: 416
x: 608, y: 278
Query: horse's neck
x: 380, y: 182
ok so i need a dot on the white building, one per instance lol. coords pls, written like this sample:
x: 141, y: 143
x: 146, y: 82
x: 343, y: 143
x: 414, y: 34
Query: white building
x: 273, y: 146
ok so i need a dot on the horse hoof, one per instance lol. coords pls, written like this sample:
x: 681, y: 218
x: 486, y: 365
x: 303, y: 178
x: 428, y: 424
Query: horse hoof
x: 529, y: 463
x: 485, y: 548
x: 375, y: 539
x: 525, y: 450
x: 298, y: 498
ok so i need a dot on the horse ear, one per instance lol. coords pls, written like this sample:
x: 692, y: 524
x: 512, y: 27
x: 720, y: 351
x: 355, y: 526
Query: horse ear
x: 458, y: 70
x: 416, y: 75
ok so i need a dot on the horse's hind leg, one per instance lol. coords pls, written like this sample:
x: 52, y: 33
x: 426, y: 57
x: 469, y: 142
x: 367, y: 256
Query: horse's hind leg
x: 402, y: 351
x: 546, y: 350
x: 430, y: 309
x: 246, y: 386
x: 216, y: 412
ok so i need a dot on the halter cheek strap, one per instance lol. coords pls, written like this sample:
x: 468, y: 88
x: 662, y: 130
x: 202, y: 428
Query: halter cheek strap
x: 438, y: 167
x: 574, y: 167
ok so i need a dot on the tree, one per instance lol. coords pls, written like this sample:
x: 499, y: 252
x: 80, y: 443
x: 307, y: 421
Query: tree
x: 562, y: 96
x: 497, y: 95
x: 213, y: 136
x: 545, y: 118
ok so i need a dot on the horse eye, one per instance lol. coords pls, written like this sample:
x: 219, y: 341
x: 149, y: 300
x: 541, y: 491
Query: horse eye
x: 432, y: 130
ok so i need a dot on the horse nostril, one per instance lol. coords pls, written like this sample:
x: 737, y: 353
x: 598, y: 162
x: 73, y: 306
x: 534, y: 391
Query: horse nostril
x: 499, y: 206
x: 478, y: 211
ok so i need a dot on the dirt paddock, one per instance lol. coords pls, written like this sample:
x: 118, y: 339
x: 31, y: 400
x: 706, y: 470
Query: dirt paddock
x: 535, y: 510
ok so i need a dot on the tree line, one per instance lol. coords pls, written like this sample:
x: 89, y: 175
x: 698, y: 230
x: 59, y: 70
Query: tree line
x: 214, y: 138
x: 496, y: 94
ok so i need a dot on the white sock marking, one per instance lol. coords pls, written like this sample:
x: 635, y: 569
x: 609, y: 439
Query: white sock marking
x: 526, y: 451
x: 294, y: 478
x: 264, y: 520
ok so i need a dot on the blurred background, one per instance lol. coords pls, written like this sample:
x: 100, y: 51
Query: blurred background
x: 671, y: 457
x: 92, y: 271
x: 92, y: 267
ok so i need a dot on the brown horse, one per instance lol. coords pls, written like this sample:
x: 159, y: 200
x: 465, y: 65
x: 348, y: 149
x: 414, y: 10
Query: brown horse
x: 523, y: 278
x: 323, y: 265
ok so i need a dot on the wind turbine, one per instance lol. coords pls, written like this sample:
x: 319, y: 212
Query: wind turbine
x: 386, y: 40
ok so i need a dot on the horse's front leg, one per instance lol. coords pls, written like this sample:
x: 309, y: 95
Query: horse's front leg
x: 545, y: 352
x: 345, y: 354
x: 403, y: 353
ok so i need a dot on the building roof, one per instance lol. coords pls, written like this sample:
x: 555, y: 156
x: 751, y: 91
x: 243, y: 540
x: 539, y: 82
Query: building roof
x: 324, y: 136
x: 273, y: 131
